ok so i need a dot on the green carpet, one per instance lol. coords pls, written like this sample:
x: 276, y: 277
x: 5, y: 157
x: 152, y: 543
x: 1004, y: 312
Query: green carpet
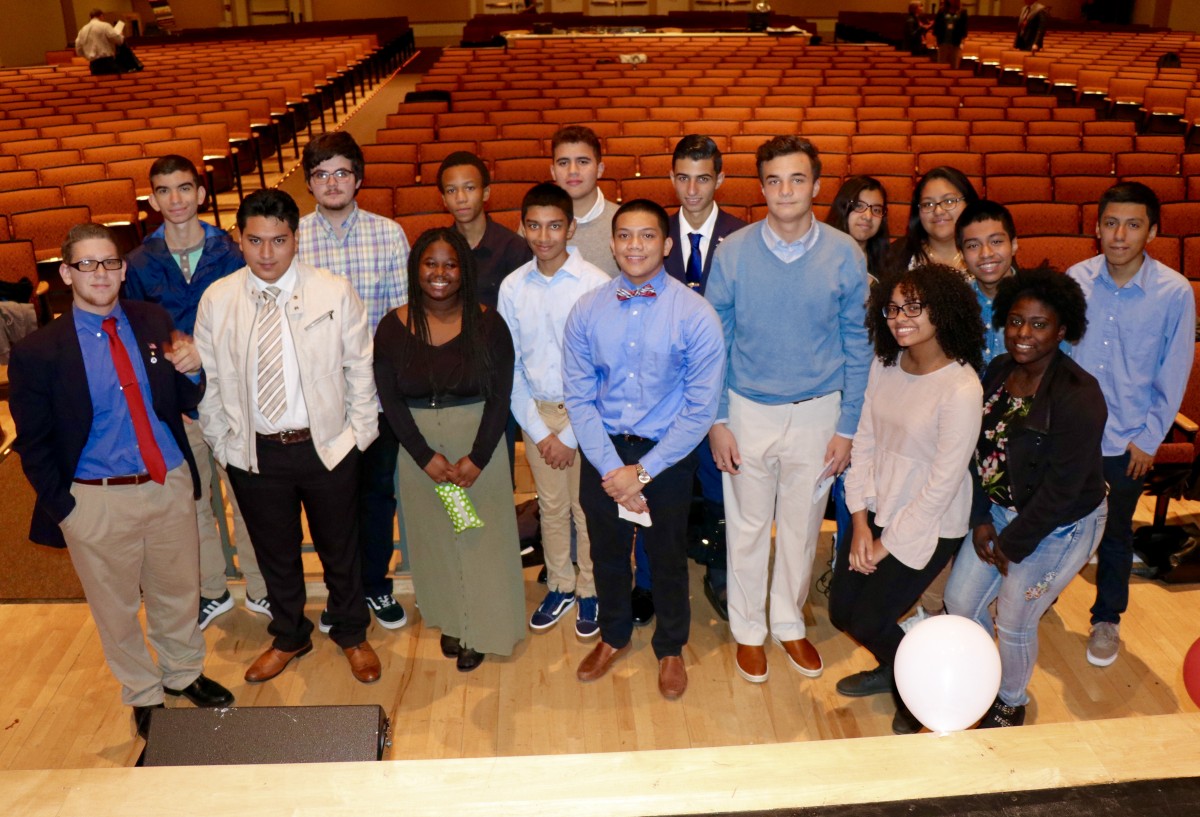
x: 28, y: 572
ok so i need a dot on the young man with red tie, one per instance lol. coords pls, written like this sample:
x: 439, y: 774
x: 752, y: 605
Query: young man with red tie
x: 98, y: 398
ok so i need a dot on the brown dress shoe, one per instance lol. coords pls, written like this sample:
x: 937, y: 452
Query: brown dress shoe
x: 364, y: 663
x: 751, y: 663
x: 672, y: 677
x: 598, y: 661
x: 272, y: 662
x: 803, y: 657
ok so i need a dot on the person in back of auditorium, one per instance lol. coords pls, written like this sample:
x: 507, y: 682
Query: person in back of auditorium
x: 791, y: 399
x: 937, y: 201
x: 98, y: 397
x: 576, y: 166
x: 696, y: 175
x: 1031, y: 26
x: 371, y: 252
x: 860, y: 210
x: 642, y: 372
x: 1142, y: 315
x: 1038, y: 510
x: 950, y: 29
x: 289, y: 408
x: 916, y: 26
x: 463, y: 180
x: 444, y: 367
x: 172, y: 268
x: 535, y: 301
x: 99, y: 43
x: 908, y: 487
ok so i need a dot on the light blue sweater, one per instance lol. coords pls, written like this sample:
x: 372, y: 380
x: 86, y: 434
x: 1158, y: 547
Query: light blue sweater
x: 797, y: 330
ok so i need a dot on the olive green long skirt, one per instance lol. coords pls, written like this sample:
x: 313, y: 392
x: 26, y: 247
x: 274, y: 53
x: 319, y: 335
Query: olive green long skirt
x: 469, y: 585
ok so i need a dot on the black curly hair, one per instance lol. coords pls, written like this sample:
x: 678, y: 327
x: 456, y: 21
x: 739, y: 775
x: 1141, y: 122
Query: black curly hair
x: 1059, y: 292
x: 948, y: 300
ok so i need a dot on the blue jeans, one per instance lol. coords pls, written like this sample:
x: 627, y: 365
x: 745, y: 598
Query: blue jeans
x: 1027, y: 592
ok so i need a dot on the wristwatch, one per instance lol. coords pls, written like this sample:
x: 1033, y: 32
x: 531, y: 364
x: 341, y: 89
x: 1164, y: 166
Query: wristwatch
x: 642, y: 476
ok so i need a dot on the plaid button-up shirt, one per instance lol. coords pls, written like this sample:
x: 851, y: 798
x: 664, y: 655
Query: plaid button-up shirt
x: 373, y: 255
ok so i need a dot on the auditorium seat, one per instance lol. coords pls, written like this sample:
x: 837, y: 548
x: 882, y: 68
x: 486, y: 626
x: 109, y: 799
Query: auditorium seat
x: 1045, y: 218
x: 45, y: 228
x: 1060, y: 251
x: 1008, y: 189
x: 1016, y: 164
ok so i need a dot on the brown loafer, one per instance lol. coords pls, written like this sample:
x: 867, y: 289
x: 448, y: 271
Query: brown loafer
x: 364, y: 663
x: 598, y: 661
x: 672, y: 677
x: 803, y: 657
x: 272, y: 662
x: 751, y: 663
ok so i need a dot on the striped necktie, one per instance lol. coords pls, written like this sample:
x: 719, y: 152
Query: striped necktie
x: 272, y: 394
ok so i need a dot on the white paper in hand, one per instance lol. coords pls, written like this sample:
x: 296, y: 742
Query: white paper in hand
x: 642, y: 518
x: 824, y: 480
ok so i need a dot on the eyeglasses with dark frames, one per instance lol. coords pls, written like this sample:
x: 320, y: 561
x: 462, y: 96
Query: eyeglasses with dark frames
x: 947, y: 204
x: 911, y: 309
x: 91, y: 264
x: 877, y: 210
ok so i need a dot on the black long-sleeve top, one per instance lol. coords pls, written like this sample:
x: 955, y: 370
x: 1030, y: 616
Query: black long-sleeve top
x: 407, y: 369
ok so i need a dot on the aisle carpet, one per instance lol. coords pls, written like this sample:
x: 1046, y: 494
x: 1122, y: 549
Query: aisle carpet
x: 28, y: 572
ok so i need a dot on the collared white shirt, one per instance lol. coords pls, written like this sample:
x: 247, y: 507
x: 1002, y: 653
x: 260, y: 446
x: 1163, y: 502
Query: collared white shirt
x: 295, y: 416
x: 789, y: 251
x: 706, y: 233
x: 596, y: 211
x: 536, y: 307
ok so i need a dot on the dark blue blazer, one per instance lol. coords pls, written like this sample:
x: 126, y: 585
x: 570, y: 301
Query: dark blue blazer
x: 725, y: 225
x: 52, y: 408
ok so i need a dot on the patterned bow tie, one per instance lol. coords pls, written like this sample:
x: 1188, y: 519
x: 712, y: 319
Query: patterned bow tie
x: 644, y: 291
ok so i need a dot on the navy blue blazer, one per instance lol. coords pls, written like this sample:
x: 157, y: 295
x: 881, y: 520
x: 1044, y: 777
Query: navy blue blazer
x: 52, y: 408
x: 725, y: 225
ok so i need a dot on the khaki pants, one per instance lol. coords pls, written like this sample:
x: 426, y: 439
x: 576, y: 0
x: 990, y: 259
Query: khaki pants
x: 212, y: 555
x: 558, y: 503
x: 783, y: 451
x: 125, y: 537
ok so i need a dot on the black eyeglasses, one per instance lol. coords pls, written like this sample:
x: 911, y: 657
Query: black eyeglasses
x: 947, y: 204
x: 877, y: 210
x: 91, y: 264
x: 340, y: 175
x: 911, y: 310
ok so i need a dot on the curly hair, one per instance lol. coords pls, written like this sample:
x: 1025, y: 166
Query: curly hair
x: 1059, y: 292
x: 478, y: 355
x: 839, y: 217
x: 948, y: 300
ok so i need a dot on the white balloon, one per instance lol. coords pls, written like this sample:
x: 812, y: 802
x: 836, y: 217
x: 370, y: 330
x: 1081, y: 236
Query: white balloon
x: 948, y: 672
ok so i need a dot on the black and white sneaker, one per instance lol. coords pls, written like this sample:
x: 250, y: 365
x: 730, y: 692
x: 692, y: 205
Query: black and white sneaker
x: 1001, y: 715
x: 211, y: 608
x: 388, y: 612
x: 325, y: 624
x: 261, y: 606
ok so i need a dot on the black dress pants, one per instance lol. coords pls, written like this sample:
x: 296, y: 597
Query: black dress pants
x: 866, y: 606
x: 669, y: 496
x: 292, y: 477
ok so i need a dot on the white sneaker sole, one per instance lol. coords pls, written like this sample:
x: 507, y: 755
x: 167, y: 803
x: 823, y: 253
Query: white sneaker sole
x: 1102, y: 662
x: 256, y: 608
x: 754, y: 679
x: 805, y: 671
x: 221, y: 610
x: 391, y: 625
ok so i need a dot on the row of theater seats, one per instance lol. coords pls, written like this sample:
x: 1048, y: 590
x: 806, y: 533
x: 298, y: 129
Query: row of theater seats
x: 76, y: 147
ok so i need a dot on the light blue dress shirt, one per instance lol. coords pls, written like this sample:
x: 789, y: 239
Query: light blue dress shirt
x: 1139, y: 344
x: 650, y: 367
x: 536, y: 308
x: 112, y: 448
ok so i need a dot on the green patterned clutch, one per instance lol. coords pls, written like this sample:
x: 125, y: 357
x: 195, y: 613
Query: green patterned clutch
x: 458, y: 507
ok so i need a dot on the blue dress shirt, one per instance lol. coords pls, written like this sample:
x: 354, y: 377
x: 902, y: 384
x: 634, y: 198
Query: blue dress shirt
x: 650, y: 367
x: 1139, y: 344
x: 112, y: 448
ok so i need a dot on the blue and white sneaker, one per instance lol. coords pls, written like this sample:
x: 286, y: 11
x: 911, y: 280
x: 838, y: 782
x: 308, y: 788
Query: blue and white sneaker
x: 586, y: 625
x: 211, y: 608
x: 551, y: 610
x: 261, y: 606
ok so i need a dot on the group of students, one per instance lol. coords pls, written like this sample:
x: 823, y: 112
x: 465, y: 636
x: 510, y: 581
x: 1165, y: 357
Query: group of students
x: 635, y: 350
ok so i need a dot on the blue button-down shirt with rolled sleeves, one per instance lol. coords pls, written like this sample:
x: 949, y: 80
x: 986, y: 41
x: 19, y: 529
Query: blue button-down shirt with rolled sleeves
x: 649, y: 367
x: 1139, y: 344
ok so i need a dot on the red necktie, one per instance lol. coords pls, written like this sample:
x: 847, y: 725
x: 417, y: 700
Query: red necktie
x: 147, y: 446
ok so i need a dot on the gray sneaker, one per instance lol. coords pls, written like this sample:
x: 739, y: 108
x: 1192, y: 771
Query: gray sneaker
x: 1104, y: 643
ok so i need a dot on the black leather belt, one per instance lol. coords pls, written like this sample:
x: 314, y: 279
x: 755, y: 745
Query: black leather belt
x: 633, y: 438
x: 288, y: 437
x: 132, y: 479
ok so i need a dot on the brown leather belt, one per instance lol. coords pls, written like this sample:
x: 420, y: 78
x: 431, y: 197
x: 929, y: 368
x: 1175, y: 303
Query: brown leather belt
x: 132, y: 479
x: 288, y: 437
